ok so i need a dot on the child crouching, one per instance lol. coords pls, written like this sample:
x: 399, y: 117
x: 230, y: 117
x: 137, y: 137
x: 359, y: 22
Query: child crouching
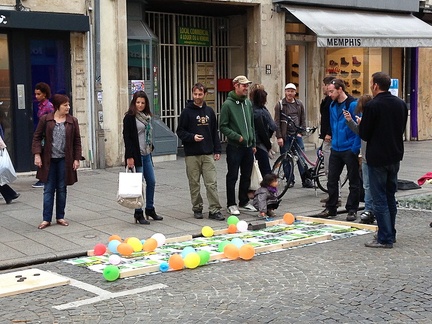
x: 265, y: 198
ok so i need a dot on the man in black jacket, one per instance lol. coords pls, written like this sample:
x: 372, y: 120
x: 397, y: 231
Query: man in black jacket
x: 382, y: 127
x: 198, y: 131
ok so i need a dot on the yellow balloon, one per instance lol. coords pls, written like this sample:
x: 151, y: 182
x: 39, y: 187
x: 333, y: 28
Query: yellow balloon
x: 135, y: 243
x: 192, y: 260
x: 207, y: 231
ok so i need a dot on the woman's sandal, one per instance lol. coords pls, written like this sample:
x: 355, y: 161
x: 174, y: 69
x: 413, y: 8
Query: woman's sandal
x: 44, y: 224
x: 62, y: 222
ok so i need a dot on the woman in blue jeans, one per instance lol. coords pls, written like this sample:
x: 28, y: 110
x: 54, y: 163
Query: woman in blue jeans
x: 137, y: 136
x: 58, y: 159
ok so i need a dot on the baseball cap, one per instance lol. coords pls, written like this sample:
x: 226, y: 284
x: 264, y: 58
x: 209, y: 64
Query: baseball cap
x: 241, y: 79
x: 291, y: 86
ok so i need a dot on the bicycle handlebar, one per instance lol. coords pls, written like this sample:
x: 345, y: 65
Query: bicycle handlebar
x: 310, y: 130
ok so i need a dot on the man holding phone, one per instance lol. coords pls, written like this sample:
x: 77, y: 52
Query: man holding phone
x: 199, y: 134
x: 345, y: 148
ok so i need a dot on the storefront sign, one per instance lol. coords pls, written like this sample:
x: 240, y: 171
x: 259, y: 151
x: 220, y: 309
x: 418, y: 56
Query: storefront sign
x: 344, y: 42
x: 193, y: 36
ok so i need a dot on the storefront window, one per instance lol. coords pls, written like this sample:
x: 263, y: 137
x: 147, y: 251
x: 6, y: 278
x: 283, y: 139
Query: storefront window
x: 354, y: 66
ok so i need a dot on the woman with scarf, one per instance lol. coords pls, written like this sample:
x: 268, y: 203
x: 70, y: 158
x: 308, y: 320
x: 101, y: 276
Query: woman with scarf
x: 137, y: 136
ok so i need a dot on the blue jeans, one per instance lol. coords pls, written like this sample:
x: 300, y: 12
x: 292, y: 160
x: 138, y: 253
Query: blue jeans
x: 367, y: 197
x: 284, y: 148
x: 383, y: 186
x: 149, y: 177
x: 238, y: 157
x: 55, y: 185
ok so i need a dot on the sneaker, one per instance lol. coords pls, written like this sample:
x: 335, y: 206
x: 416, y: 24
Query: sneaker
x: 271, y: 213
x: 248, y: 207
x: 367, y: 217
x: 233, y: 210
x: 308, y: 183
x: 217, y: 216
x: 38, y: 185
x: 326, y: 213
x: 376, y: 244
x: 352, y: 216
x: 198, y: 214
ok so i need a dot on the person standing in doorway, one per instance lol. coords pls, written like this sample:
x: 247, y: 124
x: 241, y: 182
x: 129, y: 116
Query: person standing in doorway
x: 199, y: 134
x: 42, y: 94
x: 138, y: 140
x: 237, y: 124
x: 382, y: 127
x: 345, y: 148
x: 287, y: 132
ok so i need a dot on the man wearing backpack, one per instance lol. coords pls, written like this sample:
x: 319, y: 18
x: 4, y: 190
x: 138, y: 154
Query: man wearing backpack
x: 286, y: 132
x: 345, y: 148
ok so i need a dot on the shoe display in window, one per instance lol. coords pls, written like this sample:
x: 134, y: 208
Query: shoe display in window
x: 344, y: 74
x: 355, y: 62
x: 356, y: 92
x: 356, y: 82
x: 332, y: 63
x: 344, y: 62
x: 294, y: 74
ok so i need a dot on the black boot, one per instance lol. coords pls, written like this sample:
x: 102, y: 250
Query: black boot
x: 152, y: 213
x: 139, y: 218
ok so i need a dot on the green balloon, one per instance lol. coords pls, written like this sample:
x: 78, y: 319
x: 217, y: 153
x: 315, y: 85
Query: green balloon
x: 222, y: 245
x: 204, y: 257
x: 232, y: 220
x: 111, y: 273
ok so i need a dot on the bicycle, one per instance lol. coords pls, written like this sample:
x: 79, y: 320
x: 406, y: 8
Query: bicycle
x: 286, y: 162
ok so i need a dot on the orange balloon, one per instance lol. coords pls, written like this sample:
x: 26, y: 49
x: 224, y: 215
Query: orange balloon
x: 124, y: 249
x: 232, y: 229
x: 176, y: 262
x: 231, y: 251
x: 150, y: 244
x: 114, y: 237
x: 246, y: 252
x: 289, y: 218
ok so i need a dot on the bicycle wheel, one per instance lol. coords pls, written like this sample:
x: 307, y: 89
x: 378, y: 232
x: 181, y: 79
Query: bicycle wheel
x: 321, y: 176
x: 278, y: 170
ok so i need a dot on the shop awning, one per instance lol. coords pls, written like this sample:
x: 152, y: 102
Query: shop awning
x: 355, y: 28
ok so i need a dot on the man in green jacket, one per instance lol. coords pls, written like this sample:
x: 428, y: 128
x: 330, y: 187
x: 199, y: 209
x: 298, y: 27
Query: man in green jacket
x: 236, y: 123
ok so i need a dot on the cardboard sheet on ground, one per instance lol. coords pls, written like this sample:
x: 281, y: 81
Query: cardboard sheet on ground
x: 276, y: 237
x: 17, y: 282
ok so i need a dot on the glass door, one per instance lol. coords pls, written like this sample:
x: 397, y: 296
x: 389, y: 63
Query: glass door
x: 5, y: 91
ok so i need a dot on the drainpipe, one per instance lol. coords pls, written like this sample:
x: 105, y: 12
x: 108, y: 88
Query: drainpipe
x: 100, y: 133
x: 90, y: 91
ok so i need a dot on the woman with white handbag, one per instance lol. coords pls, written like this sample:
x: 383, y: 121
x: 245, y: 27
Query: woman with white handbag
x: 137, y: 136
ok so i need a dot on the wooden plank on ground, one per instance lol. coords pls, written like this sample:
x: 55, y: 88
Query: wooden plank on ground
x: 290, y: 244
x: 28, y: 280
x: 336, y: 222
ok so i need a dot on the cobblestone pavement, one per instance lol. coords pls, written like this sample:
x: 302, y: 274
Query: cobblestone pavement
x: 335, y: 282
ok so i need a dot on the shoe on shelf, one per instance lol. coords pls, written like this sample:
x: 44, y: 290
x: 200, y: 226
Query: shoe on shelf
x: 355, y: 61
x: 295, y: 65
x: 248, y: 207
x: 351, y: 217
x: 326, y: 213
x: 356, y: 82
x: 233, y: 210
x: 8, y: 201
x: 355, y: 92
x: 38, y: 185
x: 198, y: 214
x: 308, y: 183
x: 216, y: 216
x: 294, y: 74
x: 376, y: 244
x: 332, y: 63
x: 343, y: 61
x: 355, y: 72
x: 367, y: 217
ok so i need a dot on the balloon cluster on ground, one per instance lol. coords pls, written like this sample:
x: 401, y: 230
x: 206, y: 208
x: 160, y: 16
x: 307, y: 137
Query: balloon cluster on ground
x: 188, y: 258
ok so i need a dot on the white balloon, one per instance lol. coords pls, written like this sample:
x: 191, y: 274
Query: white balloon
x: 160, y: 238
x: 242, y: 226
x: 114, y: 259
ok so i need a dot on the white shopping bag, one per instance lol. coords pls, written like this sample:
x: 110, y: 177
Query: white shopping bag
x: 256, y: 177
x: 130, y: 184
x: 7, y: 170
